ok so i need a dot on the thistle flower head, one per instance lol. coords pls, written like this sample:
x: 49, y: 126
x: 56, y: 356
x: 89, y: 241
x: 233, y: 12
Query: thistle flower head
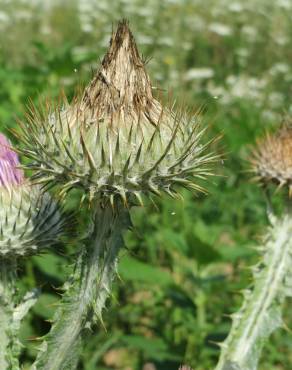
x: 272, y: 158
x: 117, y: 141
x: 9, y: 173
x: 30, y: 221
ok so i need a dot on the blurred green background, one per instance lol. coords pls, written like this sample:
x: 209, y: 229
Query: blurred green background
x: 187, y: 260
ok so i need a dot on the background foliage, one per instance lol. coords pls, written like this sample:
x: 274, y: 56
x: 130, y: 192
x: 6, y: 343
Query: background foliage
x: 186, y: 261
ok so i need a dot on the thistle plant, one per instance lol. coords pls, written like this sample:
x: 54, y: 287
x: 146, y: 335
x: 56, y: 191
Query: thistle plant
x: 118, y: 144
x: 30, y: 222
x: 260, y: 313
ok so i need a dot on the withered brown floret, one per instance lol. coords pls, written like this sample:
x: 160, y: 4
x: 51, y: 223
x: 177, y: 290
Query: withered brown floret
x: 272, y: 158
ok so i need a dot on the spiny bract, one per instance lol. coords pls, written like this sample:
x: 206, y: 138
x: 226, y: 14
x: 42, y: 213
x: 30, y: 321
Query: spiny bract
x: 272, y: 158
x: 117, y: 141
x: 30, y: 220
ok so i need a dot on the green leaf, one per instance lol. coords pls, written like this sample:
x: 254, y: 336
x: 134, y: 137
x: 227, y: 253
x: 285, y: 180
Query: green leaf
x: 175, y: 240
x: 52, y: 265
x: 233, y: 253
x: 203, y: 252
x: 152, y: 348
x: 134, y: 270
x: 45, y: 306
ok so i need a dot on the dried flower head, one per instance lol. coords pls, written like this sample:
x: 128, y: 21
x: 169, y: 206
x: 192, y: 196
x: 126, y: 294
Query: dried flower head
x: 272, y: 158
x: 117, y: 141
x: 30, y: 221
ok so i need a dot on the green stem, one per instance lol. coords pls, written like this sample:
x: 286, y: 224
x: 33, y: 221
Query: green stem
x: 84, y: 300
x: 260, y: 314
x: 7, y: 293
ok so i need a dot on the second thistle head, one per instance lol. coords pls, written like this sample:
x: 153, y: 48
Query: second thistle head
x: 272, y: 158
x: 30, y: 221
x: 117, y: 141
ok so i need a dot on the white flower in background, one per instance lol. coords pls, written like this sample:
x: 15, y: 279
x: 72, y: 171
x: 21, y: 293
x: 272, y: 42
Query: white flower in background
x: 269, y: 115
x: 23, y: 15
x: 235, y: 7
x: 4, y: 17
x: 281, y: 40
x: 167, y: 41
x: 80, y: 50
x: 145, y: 12
x: 249, y: 82
x: 286, y: 4
x: 87, y: 27
x: 196, y: 23
x: 86, y: 11
x: 87, y: 6
x: 256, y: 83
x: 173, y: 2
x: 186, y: 45
x: 249, y: 32
x: 199, y: 74
x: 231, y: 80
x: 242, y: 52
x: 219, y: 92
x: 245, y: 87
x: 279, y: 68
x: 45, y: 29
x: 220, y: 29
x: 275, y: 99
x: 100, y: 5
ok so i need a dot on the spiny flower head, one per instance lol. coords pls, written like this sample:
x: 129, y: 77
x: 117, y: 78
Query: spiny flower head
x: 117, y: 141
x: 272, y: 158
x: 30, y: 221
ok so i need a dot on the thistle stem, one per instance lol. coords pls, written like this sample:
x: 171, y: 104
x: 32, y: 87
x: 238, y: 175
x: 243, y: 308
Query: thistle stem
x: 84, y: 300
x: 7, y: 293
x: 260, y: 314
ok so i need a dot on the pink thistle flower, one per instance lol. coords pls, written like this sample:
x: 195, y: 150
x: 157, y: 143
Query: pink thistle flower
x: 9, y: 173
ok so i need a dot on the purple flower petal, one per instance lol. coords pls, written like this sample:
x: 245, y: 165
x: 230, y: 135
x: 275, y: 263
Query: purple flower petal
x: 9, y: 174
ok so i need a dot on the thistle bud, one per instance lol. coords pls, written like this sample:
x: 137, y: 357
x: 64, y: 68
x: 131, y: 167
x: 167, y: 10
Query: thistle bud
x: 272, y: 158
x: 117, y: 141
x: 30, y: 221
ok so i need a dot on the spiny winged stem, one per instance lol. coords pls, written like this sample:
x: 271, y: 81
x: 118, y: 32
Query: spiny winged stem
x: 11, y: 315
x: 7, y: 293
x: 260, y: 313
x: 82, y: 303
